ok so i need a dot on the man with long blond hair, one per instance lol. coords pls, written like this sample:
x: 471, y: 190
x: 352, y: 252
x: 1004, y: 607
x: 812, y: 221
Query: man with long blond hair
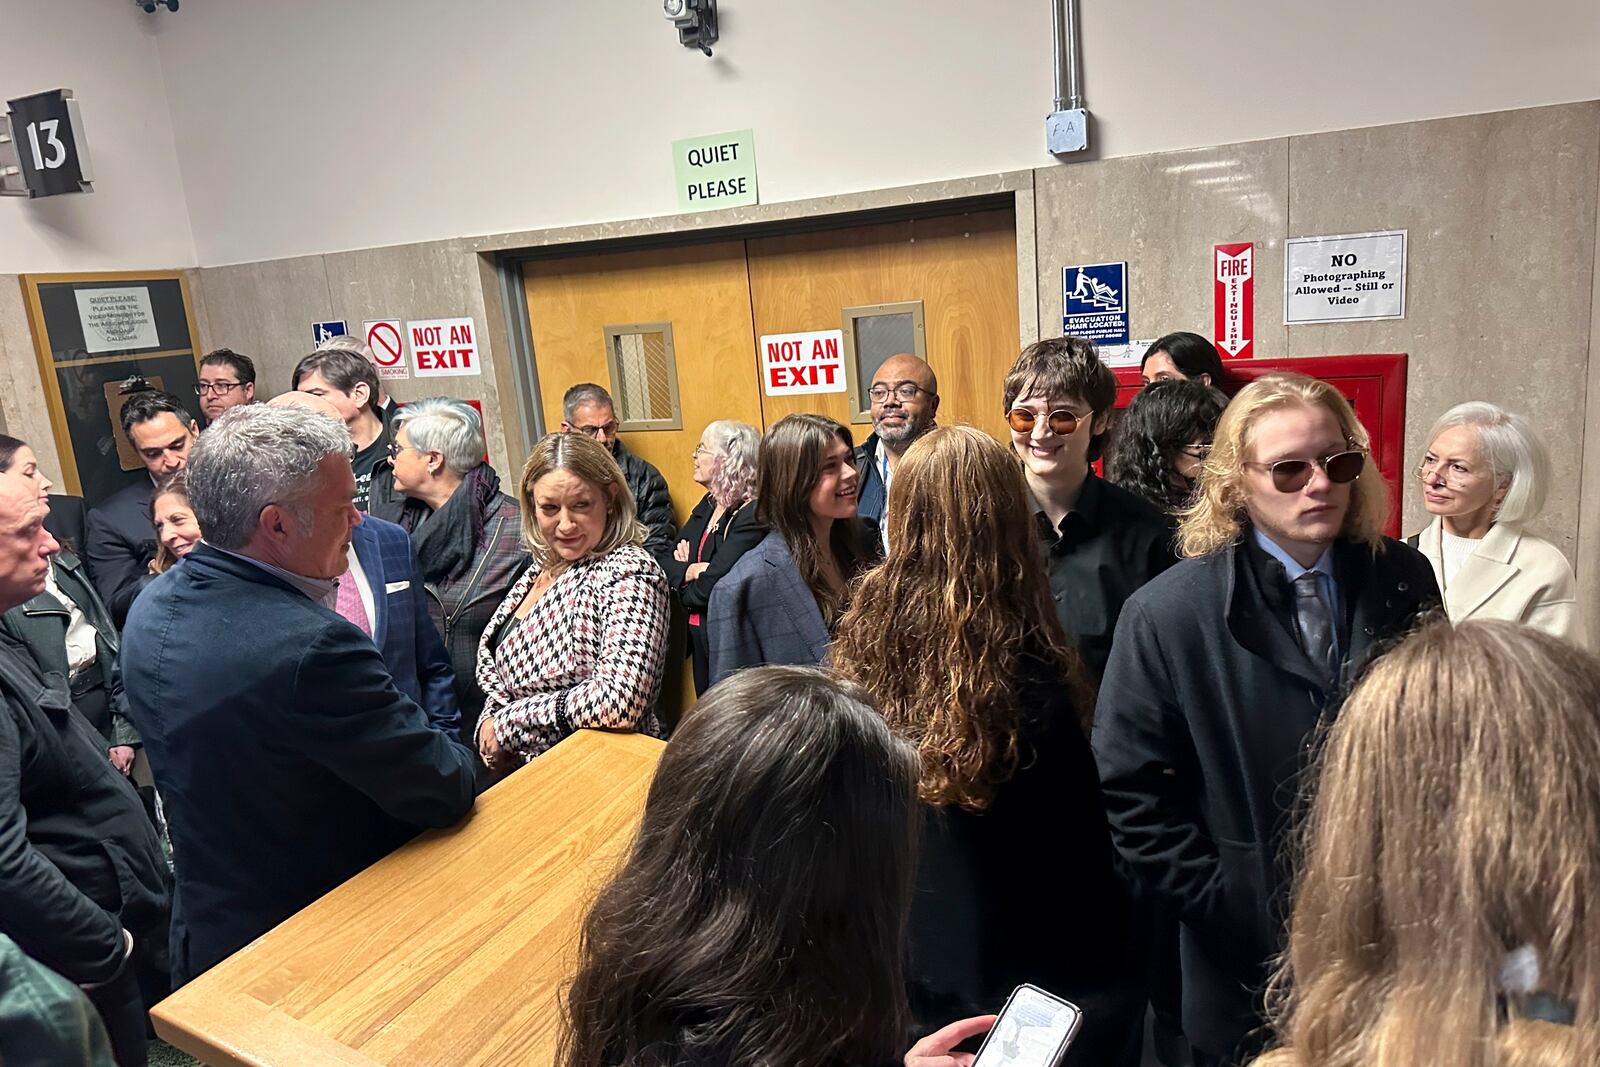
x: 1222, y: 669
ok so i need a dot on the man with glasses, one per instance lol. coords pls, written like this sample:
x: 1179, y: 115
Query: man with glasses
x: 1224, y: 667
x: 1101, y: 541
x: 587, y: 409
x: 227, y: 379
x: 905, y: 401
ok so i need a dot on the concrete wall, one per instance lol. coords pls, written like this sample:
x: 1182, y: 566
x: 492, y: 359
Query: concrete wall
x: 304, y: 126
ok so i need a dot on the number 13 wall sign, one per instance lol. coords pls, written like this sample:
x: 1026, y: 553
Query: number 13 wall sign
x: 48, y: 136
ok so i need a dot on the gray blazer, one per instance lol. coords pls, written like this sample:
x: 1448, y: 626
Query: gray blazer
x: 762, y: 612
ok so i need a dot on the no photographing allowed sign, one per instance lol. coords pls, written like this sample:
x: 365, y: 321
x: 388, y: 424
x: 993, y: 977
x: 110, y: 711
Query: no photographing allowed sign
x: 1345, y: 278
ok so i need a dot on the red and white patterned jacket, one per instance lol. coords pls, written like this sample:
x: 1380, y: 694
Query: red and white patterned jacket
x: 590, y: 654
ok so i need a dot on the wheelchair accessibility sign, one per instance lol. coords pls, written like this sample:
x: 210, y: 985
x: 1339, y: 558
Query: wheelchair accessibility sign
x: 1095, y: 302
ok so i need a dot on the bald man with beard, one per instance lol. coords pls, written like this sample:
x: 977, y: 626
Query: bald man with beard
x: 905, y: 402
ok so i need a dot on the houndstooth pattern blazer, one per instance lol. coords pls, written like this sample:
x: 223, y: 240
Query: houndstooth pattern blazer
x: 591, y: 652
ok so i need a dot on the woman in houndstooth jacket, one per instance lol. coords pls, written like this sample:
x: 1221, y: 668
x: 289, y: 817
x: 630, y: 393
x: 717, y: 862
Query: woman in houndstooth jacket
x: 580, y: 640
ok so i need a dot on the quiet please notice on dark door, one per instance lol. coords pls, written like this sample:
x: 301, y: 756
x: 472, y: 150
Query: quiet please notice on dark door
x: 99, y: 337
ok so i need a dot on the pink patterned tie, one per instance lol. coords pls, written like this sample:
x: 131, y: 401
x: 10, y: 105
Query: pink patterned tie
x: 349, y: 603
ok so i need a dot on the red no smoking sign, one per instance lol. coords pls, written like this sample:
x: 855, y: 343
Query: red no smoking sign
x: 387, y: 342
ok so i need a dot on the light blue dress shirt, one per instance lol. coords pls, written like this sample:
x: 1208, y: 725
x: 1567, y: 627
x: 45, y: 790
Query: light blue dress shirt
x: 1327, y: 586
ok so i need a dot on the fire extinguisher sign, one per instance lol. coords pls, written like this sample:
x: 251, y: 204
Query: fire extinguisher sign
x: 1235, y: 300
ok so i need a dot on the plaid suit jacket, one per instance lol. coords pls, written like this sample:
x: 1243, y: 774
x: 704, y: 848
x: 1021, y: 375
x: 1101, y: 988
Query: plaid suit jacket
x: 590, y: 653
x: 762, y: 612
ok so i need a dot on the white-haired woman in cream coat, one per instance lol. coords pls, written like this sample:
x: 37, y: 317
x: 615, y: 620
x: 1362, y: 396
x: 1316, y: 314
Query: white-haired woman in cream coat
x: 1483, y: 479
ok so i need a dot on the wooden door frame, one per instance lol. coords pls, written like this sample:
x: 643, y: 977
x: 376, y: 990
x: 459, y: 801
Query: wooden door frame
x: 518, y: 371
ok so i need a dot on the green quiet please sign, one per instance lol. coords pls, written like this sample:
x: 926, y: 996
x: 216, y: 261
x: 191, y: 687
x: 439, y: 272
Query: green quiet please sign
x: 716, y: 171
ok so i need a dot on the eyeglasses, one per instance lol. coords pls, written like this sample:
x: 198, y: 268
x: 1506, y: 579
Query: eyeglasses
x: 1062, y: 422
x: 1291, y: 475
x: 699, y: 450
x: 395, y: 448
x: 220, y: 388
x: 903, y: 391
x: 1455, y: 475
x: 609, y: 429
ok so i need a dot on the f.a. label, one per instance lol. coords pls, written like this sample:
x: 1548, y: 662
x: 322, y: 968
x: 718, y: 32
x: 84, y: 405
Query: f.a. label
x: 716, y: 171
x: 1344, y: 278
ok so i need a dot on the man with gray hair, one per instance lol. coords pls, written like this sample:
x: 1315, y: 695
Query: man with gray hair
x: 586, y: 408
x: 287, y: 758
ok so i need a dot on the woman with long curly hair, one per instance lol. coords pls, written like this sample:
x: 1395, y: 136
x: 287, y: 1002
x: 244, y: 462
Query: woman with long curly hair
x: 956, y: 638
x: 1161, y: 442
x: 1448, y: 904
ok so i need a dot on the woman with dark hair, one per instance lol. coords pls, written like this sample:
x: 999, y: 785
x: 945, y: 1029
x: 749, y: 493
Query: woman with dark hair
x: 1162, y: 439
x: 721, y: 528
x: 172, y: 516
x: 1182, y: 355
x: 780, y: 602
x: 956, y: 638
x: 760, y: 915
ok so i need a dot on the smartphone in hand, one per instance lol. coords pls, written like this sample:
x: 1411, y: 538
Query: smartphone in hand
x: 1033, y: 1030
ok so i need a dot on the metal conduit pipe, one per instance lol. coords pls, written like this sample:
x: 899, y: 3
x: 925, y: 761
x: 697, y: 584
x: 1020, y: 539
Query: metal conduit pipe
x: 1066, y: 130
x: 1069, y: 76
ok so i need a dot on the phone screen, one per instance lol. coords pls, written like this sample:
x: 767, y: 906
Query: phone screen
x: 1033, y: 1030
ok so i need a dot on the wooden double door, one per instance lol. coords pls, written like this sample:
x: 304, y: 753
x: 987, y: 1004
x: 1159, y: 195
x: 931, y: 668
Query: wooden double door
x: 721, y: 297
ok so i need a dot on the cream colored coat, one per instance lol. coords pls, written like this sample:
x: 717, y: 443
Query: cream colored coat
x: 1511, y: 575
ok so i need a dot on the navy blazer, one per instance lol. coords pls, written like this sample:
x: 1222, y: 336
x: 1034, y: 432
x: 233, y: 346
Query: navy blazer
x: 119, y: 544
x: 287, y: 759
x: 763, y: 612
x: 402, y: 628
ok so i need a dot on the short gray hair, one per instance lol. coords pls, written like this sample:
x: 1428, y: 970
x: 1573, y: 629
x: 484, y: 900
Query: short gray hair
x: 1513, y: 451
x: 584, y: 393
x: 255, y: 455
x: 447, y: 426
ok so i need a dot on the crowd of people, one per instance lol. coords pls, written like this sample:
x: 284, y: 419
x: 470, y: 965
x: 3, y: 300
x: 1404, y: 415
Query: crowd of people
x: 1192, y: 744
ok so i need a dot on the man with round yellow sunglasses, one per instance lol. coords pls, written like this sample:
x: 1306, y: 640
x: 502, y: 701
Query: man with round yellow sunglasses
x: 1101, y: 542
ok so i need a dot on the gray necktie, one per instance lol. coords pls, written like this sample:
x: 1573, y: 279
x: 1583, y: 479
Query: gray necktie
x: 1314, y: 622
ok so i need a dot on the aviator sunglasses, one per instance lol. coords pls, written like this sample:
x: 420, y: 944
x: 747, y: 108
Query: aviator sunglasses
x: 1062, y: 422
x: 1291, y: 475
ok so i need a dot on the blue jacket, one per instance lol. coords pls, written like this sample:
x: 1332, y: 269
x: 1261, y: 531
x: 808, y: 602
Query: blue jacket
x: 401, y: 626
x: 762, y: 612
x: 287, y: 758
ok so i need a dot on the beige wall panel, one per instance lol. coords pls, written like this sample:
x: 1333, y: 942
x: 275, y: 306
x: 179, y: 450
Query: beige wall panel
x: 437, y: 280
x: 265, y: 310
x: 22, y: 399
x: 1588, y: 549
x: 1500, y: 211
x: 1163, y: 213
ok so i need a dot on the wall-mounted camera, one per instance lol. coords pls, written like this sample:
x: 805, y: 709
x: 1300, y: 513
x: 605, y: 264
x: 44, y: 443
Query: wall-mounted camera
x: 696, y: 21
